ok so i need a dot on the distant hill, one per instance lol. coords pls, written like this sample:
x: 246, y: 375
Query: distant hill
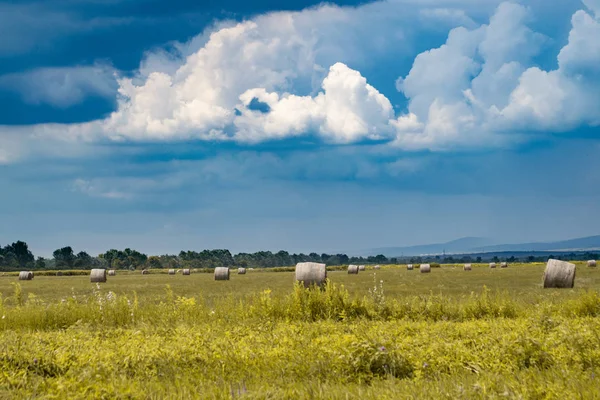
x: 469, y: 245
x: 463, y: 245
x: 585, y: 243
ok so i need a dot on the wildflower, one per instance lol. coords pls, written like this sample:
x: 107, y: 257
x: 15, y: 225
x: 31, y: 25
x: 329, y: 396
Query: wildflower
x: 382, y: 348
x: 425, y: 365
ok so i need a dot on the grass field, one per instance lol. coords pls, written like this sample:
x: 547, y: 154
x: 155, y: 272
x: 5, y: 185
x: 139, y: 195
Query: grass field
x: 390, y: 333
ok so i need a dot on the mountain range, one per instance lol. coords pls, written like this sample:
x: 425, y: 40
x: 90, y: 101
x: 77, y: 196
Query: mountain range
x: 470, y: 245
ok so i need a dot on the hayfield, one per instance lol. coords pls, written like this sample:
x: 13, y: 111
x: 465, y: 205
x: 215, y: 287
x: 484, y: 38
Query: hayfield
x: 390, y: 333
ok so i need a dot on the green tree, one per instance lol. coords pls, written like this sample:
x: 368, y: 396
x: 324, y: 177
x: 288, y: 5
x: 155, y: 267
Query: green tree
x: 40, y: 263
x: 154, y: 262
x: 18, y: 255
x: 64, y: 257
x: 83, y: 260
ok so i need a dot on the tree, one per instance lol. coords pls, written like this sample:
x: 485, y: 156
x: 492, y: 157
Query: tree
x: 18, y: 254
x: 154, y: 262
x: 83, y: 260
x: 64, y: 257
x: 40, y: 263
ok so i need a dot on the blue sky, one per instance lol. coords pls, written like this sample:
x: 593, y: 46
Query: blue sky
x: 343, y: 126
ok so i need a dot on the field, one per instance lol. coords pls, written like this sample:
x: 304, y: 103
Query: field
x: 385, y: 334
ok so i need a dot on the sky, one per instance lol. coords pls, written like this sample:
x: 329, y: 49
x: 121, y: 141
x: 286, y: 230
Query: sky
x: 326, y: 127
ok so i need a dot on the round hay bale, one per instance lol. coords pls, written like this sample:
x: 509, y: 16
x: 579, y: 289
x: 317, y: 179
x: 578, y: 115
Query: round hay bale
x: 591, y: 263
x: 352, y: 269
x: 559, y: 274
x: 59, y: 273
x: 410, y: 267
x: 492, y: 265
x: 377, y: 267
x: 145, y: 272
x: 310, y: 273
x: 221, y: 274
x: 361, y: 267
x: 425, y: 268
x: 467, y: 267
x: 25, y: 275
x: 98, y: 275
x: 504, y: 265
x: 171, y: 271
x: 186, y: 271
x: 241, y: 271
x: 112, y: 272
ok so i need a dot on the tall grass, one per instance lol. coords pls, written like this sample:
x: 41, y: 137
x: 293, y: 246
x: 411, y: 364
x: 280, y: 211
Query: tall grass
x: 333, y: 302
x: 329, y: 343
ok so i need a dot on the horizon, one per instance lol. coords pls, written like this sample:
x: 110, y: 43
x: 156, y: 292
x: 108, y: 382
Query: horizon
x: 250, y: 127
x: 357, y: 253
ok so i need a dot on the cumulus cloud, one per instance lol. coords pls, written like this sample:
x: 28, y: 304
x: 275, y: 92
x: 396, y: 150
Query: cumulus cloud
x: 348, y: 110
x: 62, y: 86
x: 481, y: 85
x: 282, y: 56
x: 303, y: 68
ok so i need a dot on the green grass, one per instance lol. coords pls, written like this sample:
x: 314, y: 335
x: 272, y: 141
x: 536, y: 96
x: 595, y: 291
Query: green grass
x: 448, y: 334
x: 523, y: 281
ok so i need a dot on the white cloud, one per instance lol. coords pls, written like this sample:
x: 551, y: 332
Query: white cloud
x: 568, y: 97
x: 62, y: 86
x: 480, y: 85
x: 279, y: 53
x: 471, y: 91
x: 348, y: 110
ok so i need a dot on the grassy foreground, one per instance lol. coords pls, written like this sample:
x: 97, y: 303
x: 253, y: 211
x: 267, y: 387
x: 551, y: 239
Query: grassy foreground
x: 438, y: 335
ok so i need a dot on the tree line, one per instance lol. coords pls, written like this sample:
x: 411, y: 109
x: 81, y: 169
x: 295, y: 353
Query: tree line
x: 17, y: 256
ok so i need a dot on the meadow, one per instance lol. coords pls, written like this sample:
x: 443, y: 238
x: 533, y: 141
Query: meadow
x: 384, y: 334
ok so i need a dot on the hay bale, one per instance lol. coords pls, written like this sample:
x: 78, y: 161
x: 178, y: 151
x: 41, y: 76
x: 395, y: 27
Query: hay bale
x: 25, y: 275
x: 178, y: 271
x: 352, y: 269
x: 145, y: 272
x: 559, y: 274
x: 241, y: 271
x: 221, y: 274
x: 377, y: 267
x: 410, y: 267
x: 591, y: 263
x: 112, y: 272
x: 186, y: 271
x: 59, y: 273
x: 467, y: 267
x: 492, y: 265
x: 361, y: 267
x: 504, y: 265
x: 310, y: 273
x: 171, y: 271
x: 425, y: 268
x: 98, y: 275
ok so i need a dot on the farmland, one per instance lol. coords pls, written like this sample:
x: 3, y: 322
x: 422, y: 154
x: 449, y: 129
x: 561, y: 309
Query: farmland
x: 389, y: 333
